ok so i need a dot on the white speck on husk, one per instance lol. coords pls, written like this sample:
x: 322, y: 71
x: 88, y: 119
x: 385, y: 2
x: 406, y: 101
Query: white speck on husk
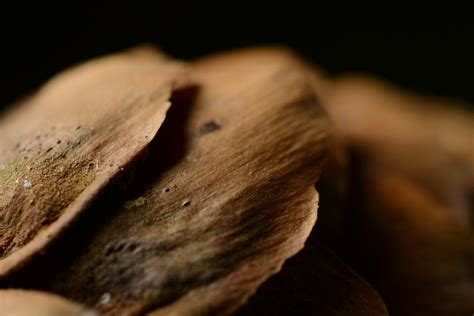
x: 27, y: 184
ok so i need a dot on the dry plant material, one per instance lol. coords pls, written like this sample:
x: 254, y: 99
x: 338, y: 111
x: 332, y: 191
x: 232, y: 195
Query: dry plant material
x: 424, y: 257
x: 213, y: 224
x: 315, y: 281
x: 61, y: 147
x: 412, y: 194
x: 28, y: 303
x: 430, y: 140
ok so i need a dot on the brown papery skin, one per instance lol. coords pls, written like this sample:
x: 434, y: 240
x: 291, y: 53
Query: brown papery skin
x: 315, y: 281
x: 227, y: 195
x: 28, y: 303
x: 410, y: 216
x: 63, y: 145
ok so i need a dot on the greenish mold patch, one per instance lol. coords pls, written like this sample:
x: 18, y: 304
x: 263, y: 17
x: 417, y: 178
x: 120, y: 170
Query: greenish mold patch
x: 135, y: 203
x: 34, y: 191
x: 11, y: 176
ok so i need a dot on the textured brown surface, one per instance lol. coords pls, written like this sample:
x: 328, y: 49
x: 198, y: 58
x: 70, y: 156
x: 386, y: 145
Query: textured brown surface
x: 216, y: 221
x: 29, y: 303
x: 411, y: 195
x: 315, y: 282
x: 60, y: 147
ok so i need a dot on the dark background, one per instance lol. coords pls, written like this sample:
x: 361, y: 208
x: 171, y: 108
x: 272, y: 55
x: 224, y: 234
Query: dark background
x: 435, y: 57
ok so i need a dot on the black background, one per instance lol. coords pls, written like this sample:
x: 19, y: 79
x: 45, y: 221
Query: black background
x: 435, y: 56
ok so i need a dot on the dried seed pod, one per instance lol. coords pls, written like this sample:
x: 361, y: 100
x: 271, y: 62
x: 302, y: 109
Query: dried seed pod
x: 61, y: 147
x: 412, y: 183
x: 27, y: 303
x: 219, y: 218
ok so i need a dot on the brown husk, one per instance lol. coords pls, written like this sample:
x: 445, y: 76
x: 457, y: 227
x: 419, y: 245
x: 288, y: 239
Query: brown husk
x: 62, y: 146
x: 214, y: 222
x: 28, y: 303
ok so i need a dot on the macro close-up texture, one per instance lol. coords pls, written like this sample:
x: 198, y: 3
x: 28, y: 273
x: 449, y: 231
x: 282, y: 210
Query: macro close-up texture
x: 242, y: 179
